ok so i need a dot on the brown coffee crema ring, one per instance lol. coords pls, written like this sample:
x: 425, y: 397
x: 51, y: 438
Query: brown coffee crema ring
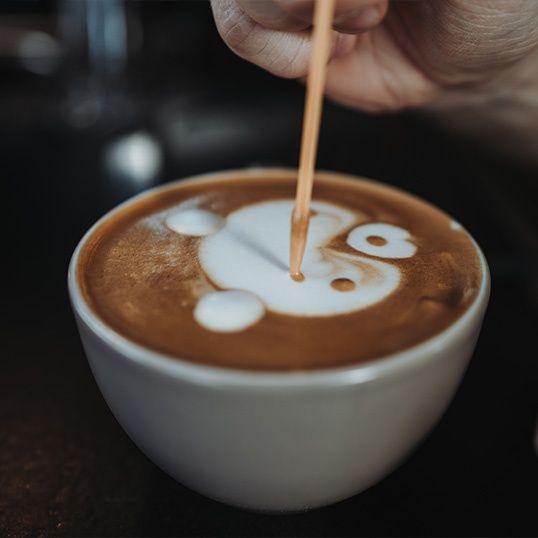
x: 144, y: 280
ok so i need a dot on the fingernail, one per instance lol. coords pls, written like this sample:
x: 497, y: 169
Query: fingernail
x: 369, y: 16
x: 359, y: 19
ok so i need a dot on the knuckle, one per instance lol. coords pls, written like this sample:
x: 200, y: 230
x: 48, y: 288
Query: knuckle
x: 234, y: 25
x: 280, y: 53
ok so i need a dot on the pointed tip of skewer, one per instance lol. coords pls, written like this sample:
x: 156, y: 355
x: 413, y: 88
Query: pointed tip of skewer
x: 299, y: 228
x: 297, y: 276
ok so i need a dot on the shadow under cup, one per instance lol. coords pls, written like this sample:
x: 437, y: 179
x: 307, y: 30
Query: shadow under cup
x: 276, y: 441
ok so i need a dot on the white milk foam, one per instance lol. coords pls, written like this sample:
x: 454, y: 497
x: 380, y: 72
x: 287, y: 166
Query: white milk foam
x: 248, y: 253
x: 228, y: 311
x: 397, y: 241
x: 194, y: 221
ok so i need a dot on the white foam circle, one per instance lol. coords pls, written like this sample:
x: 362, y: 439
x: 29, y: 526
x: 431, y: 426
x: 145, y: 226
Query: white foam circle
x: 197, y: 222
x: 228, y: 311
x: 397, y: 240
x: 251, y: 253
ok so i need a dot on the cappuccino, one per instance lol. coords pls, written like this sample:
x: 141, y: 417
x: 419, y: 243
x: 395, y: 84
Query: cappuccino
x: 199, y: 270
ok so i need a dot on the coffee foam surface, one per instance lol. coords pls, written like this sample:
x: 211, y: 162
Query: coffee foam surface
x: 201, y: 272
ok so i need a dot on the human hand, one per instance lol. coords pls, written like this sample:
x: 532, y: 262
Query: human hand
x: 387, y: 55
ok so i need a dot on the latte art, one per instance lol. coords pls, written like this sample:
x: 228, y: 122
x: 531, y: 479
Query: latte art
x: 195, y: 222
x: 250, y: 252
x: 384, y: 240
x: 199, y: 271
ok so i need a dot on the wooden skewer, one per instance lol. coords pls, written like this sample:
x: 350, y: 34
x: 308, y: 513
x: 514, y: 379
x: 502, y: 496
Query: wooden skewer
x: 321, y: 45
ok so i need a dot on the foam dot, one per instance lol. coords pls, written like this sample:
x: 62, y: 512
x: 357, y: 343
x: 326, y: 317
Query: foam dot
x: 390, y: 241
x: 376, y: 240
x: 343, y: 284
x: 228, y: 311
x: 195, y: 222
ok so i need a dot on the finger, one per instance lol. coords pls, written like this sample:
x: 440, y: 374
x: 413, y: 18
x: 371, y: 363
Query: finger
x: 286, y: 54
x: 270, y: 15
x: 361, y: 19
x: 350, y: 16
x: 378, y: 77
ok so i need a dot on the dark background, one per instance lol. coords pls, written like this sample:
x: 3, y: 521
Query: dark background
x: 85, y: 123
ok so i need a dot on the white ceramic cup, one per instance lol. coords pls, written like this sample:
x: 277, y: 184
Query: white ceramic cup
x: 276, y: 441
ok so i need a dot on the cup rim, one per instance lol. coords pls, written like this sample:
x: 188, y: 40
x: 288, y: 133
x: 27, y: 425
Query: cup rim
x: 211, y: 375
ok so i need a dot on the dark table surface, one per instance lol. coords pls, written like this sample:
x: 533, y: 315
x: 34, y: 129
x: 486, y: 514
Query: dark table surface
x: 66, y: 466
